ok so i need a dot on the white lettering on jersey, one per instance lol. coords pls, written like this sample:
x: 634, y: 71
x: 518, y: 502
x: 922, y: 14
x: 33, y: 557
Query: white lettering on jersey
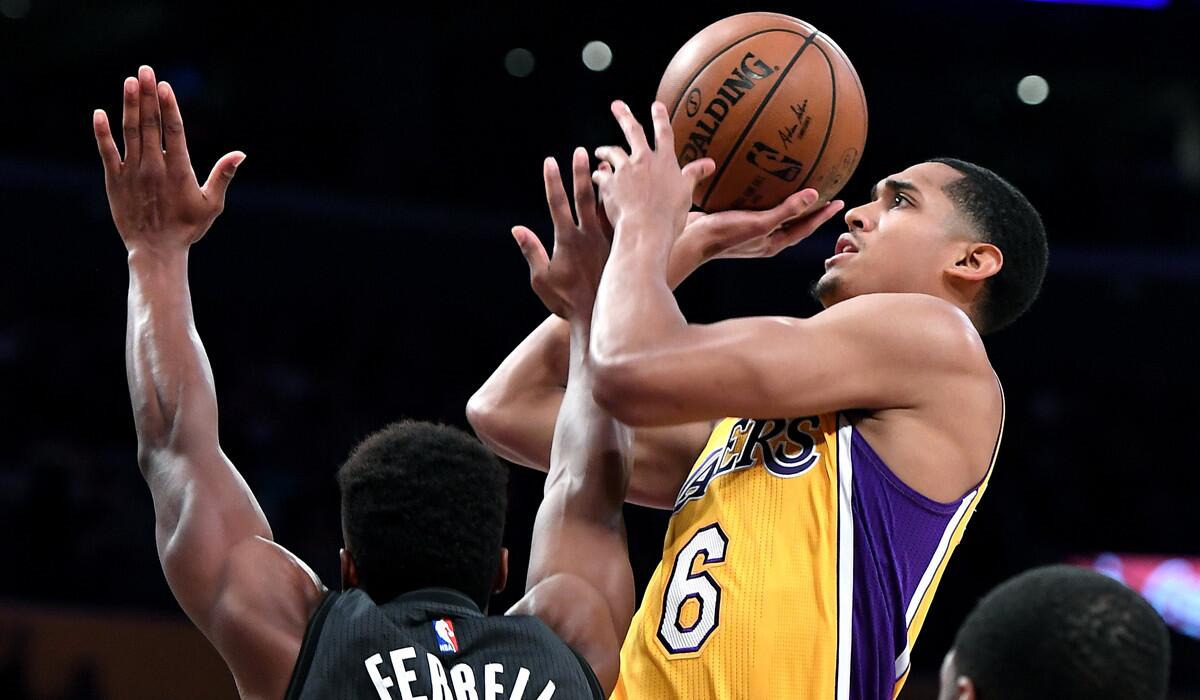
x: 491, y: 687
x: 519, y: 689
x: 459, y: 684
x: 404, y: 675
x: 437, y: 678
x: 382, y: 683
x: 463, y: 679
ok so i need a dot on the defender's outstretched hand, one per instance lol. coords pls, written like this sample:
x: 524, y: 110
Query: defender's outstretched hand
x: 758, y: 234
x: 567, y: 283
x: 155, y: 198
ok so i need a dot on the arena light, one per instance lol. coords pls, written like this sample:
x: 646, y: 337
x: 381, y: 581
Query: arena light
x: 597, y: 56
x: 1033, y: 89
x: 519, y: 62
x: 1140, y: 4
x: 1170, y: 584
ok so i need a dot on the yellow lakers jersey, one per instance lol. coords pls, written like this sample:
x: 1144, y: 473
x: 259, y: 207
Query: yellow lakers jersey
x: 796, y: 565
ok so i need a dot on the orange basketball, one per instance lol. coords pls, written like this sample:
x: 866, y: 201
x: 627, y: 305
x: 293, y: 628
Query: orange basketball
x: 774, y: 102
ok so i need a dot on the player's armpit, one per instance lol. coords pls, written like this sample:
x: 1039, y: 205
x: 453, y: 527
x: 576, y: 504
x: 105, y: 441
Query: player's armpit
x: 521, y: 430
x: 876, y: 351
x: 580, y: 615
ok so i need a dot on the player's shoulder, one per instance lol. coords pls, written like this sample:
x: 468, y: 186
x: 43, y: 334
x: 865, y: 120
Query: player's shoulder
x: 920, y: 323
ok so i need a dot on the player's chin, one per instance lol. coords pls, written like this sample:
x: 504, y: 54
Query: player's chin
x: 827, y: 290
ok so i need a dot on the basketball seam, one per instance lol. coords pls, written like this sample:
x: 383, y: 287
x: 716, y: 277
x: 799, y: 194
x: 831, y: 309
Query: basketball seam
x: 832, y: 115
x: 692, y: 81
x: 716, y: 178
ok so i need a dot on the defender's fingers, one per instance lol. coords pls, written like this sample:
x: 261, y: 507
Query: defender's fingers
x: 172, y: 127
x: 808, y: 224
x: 104, y: 141
x: 664, y: 135
x: 532, y: 250
x: 222, y: 173
x: 131, y: 126
x: 585, y: 196
x: 614, y: 156
x: 150, y: 121
x: 556, y: 196
x: 634, y: 133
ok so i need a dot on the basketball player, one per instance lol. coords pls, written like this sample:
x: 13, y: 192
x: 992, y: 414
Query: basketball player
x: 422, y: 505
x: 835, y: 461
x: 1059, y: 632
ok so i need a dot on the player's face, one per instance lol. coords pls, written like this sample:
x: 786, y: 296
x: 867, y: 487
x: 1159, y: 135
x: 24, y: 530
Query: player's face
x: 900, y: 241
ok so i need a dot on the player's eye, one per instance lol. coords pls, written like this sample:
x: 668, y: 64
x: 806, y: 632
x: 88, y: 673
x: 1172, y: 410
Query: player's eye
x: 900, y: 200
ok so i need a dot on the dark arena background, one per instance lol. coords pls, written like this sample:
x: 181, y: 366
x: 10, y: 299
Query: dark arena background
x: 363, y: 271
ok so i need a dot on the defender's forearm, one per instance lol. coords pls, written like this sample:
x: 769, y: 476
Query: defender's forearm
x: 170, y: 381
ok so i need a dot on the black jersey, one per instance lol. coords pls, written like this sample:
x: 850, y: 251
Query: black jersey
x: 433, y: 644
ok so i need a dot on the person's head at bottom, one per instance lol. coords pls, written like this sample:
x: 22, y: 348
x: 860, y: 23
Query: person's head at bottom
x: 1059, y: 632
x: 423, y: 506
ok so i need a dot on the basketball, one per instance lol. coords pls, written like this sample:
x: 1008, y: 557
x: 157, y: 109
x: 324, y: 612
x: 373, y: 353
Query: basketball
x: 776, y: 103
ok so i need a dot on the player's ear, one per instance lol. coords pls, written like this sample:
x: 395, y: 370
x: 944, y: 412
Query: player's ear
x: 501, y: 572
x: 976, y: 261
x: 964, y: 689
x: 349, y: 570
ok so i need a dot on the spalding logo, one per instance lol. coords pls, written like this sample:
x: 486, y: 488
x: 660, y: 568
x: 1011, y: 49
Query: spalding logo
x: 745, y: 76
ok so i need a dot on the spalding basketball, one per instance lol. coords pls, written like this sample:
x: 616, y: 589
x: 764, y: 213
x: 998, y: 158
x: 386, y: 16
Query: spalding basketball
x: 774, y: 102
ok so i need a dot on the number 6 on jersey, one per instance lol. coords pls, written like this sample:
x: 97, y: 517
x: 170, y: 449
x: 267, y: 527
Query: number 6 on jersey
x: 692, y: 604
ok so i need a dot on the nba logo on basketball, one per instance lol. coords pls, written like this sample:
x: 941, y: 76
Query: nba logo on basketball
x: 443, y: 629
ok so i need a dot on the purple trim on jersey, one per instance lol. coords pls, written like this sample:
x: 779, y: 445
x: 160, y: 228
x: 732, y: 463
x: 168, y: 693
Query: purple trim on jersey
x: 896, y: 534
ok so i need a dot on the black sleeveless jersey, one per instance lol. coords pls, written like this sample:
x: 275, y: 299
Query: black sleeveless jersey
x: 433, y: 644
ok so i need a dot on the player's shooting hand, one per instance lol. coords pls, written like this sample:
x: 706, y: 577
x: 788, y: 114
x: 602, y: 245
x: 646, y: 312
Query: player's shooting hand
x: 567, y: 283
x: 758, y: 234
x: 646, y: 183
x: 155, y: 199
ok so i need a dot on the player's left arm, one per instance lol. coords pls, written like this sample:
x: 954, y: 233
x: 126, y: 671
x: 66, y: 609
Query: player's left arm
x: 877, y: 351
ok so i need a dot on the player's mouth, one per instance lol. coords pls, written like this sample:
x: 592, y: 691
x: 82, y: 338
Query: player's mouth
x: 844, y: 248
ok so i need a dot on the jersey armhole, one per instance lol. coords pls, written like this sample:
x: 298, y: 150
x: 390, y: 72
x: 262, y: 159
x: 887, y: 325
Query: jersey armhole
x: 593, y: 682
x: 308, y: 647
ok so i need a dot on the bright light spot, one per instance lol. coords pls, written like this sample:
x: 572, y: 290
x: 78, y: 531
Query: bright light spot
x: 597, y: 56
x: 1033, y: 89
x: 14, y: 9
x: 519, y: 62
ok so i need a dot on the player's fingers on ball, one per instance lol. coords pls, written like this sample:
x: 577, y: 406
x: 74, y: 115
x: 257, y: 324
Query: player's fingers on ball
x: 556, y: 196
x: 150, y: 122
x: 585, y: 196
x: 664, y: 136
x: 104, y: 141
x: 131, y: 127
x: 634, y: 133
x: 172, y: 126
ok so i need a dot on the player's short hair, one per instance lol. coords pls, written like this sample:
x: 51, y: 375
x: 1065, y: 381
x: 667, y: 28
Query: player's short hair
x: 1064, y: 632
x: 423, y: 505
x: 1002, y: 216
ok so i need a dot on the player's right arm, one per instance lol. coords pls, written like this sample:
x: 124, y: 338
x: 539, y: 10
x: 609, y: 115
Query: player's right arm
x: 249, y: 596
x: 515, y: 410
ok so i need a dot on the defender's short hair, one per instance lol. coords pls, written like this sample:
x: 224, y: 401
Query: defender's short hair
x: 1066, y: 633
x: 1002, y: 216
x: 423, y: 505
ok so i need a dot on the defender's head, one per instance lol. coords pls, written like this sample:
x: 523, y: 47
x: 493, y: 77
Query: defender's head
x: 423, y: 505
x: 946, y: 228
x: 1059, y: 632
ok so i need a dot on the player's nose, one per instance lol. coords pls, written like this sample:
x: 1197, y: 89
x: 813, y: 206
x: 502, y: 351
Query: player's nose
x: 859, y: 218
